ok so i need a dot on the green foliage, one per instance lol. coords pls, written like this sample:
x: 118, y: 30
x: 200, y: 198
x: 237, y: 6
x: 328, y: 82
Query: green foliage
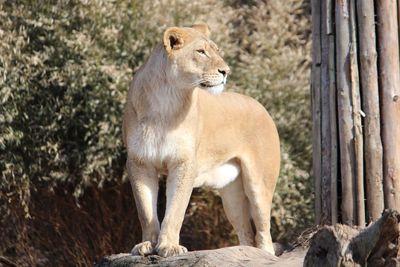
x: 65, y: 67
x: 65, y: 70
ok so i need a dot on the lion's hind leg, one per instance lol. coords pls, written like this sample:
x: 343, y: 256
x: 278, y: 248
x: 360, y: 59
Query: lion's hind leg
x: 259, y: 188
x: 237, y: 210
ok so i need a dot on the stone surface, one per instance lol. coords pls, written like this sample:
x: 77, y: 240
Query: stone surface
x: 378, y: 245
x: 224, y: 257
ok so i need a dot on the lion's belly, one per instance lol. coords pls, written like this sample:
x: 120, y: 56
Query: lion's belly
x: 219, y: 176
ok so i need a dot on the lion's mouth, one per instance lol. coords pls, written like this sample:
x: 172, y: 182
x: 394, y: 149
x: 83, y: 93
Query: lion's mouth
x: 206, y: 85
x: 209, y: 85
x: 212, y: 88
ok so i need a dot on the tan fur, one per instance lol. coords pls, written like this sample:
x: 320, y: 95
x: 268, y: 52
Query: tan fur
x: 174, y: 126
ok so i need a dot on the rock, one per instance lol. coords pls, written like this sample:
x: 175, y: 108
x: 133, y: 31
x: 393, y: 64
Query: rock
x: 341, y: 245
x: 224, y: 257
x: 338, y: 245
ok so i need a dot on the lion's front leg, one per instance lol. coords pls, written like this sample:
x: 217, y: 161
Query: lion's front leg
x: 144, y: 182
x: 179, y: 188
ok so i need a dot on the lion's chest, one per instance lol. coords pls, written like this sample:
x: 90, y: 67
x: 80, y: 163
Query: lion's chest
x: 156, y: 145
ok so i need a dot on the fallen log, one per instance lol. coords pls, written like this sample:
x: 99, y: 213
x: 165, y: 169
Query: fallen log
x: 342, y: 245
x: 224, y: 257
x: 339, y: 245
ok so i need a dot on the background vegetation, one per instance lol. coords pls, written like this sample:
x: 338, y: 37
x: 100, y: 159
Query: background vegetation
x: 65, y: 67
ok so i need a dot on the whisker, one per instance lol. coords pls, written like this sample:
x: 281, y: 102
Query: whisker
x: 197, y: 82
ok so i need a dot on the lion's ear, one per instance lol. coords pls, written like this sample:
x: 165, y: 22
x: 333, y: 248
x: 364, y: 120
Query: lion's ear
x: 174, y: 38
x: 203, y: 28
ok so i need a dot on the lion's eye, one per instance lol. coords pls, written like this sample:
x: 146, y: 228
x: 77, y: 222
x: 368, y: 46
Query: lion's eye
x: 201, y: 51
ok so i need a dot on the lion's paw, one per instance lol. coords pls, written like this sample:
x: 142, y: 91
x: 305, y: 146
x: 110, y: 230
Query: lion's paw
x: 143, y: 249
x: 170, y: 250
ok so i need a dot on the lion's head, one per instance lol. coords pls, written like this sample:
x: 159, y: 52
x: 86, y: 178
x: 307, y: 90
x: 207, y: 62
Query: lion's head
x: 193, y: 59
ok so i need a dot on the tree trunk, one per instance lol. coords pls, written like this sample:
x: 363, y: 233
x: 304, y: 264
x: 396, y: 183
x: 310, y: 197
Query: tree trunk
x: 356, y: 153
x: 224, y: 257
x: 338, y: 245
x: 342, y: 245
x: 316, y: 105
x: 345, y: 112
x: 370, y: 95
x: 333, y: 118
x: 326, y: 155
x: 390, y: 99
x: 356, y: 103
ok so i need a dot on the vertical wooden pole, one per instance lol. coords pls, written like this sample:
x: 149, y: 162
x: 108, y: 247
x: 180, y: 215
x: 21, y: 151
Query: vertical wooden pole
x: 390, y: 99
x: 325, y: 119
x: 333, y: 111
x: 344, y: 69
x: 345, y: 111
x: 316, y: 104
x: 356, y: 103
x: 370, y: 95
x: 398, y: 19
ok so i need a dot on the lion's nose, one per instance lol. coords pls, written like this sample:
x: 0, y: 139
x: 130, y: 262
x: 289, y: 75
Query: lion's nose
x: 224, y: 72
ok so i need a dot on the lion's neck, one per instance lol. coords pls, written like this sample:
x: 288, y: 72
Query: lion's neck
x: 166, y: 104
x: 160, y: 99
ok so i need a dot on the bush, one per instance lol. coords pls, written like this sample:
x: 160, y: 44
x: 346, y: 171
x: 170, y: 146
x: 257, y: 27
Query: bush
x: 65, y: 67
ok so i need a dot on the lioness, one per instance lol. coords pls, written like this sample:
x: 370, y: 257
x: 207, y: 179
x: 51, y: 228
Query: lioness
x: 178, y: 123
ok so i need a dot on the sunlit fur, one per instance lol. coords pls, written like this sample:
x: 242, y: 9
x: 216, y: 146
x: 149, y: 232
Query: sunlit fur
x: 178, y: 122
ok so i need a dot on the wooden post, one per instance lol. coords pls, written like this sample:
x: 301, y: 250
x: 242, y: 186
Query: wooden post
x: 356, y: 103
x: 356, y: 109
x: 370, y: 95
x: 333, y: 112
x: 326, y: 140
x: 316, y: 104
x: 390, y: 99
x: 345, y: 111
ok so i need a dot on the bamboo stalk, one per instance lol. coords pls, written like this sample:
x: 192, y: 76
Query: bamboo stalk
x: 325, y: 120
x: 316, y: 104
x: 345, y: 111
x: 390, y: 99
x: 370, y: 95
